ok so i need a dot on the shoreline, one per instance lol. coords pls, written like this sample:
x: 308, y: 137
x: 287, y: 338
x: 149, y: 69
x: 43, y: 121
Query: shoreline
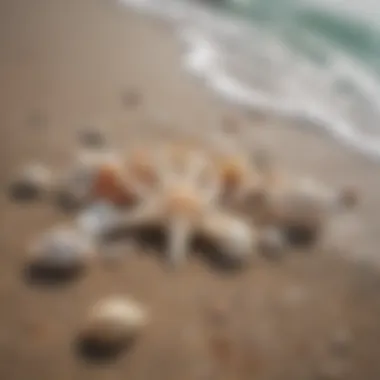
x: 67, y: 67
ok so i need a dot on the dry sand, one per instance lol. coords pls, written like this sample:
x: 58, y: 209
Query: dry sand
x: 64, y: 65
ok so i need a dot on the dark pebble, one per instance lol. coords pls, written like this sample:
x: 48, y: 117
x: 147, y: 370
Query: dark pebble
x: 92, y: 137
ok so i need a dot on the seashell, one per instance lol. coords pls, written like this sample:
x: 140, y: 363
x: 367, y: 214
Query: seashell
x: 233, y: 238
x: 62, y: 250
x: 109, y: 185
x: 304, y: 209
x: 32, y: 182
x: 114, y: 322
x: 94, y: 220
x: 88, y: 178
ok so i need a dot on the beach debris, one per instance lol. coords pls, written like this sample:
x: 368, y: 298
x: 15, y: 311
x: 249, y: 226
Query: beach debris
x: 113, y: 323
x: 33, y: 181
x: 62, y: 250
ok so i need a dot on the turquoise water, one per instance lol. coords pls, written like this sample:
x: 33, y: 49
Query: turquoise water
x: 357, y: 36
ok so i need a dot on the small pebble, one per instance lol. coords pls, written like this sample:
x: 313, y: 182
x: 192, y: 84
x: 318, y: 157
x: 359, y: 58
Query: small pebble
x: 341, y: 341
x: 350, y: 197
x: 32, y: 182
x: 37, y: 120
x: 131, y: 98
x: 114, y: 322
x: 331, y: 370
x: 92, y: 137
x: 272, y: 243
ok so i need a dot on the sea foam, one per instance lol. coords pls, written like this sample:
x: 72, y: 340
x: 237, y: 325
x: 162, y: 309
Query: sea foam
x: 254, y: 67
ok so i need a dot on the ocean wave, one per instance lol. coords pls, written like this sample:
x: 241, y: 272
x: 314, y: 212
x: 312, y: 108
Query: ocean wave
x: 256, y: 67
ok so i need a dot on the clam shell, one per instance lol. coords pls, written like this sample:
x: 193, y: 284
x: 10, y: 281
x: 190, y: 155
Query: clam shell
x: 233, y: 237
x: 114, y: 321
x: 61, y: 249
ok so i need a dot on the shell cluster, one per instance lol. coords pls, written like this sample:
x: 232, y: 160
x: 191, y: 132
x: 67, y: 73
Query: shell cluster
x: 190, y: 189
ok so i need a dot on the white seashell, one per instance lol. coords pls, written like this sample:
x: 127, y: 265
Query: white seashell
x: 33, y: 181
x: 233, y: 237
x: 94, y: 220
x: 114, y: 321
x: 61, y: 249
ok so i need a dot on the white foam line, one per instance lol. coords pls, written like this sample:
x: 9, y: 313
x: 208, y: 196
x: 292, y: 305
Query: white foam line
x: 202, y: 51
x: 203, y: 59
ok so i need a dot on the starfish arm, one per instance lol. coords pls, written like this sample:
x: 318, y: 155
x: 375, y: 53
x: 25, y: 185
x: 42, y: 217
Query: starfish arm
x: 212, y: 191
x: 179, y: 234
x: 196, y: 166
x: 139, y: 189
x: 164, y: 167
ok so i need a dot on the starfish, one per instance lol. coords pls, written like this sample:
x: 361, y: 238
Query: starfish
x: 185, y: 201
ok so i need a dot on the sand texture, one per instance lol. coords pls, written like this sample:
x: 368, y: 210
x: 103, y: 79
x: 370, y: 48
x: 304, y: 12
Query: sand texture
x: 69, y: 64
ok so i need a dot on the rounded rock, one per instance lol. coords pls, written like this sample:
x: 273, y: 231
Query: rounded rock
x: 272, y: 243
x: 92, y: 138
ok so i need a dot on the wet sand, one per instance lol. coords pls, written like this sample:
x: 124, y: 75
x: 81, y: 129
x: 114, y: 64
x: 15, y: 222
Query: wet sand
x: 65, y: 65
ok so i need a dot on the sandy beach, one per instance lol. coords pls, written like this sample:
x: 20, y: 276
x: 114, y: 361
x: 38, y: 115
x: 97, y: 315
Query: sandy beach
x: 68, y: 64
